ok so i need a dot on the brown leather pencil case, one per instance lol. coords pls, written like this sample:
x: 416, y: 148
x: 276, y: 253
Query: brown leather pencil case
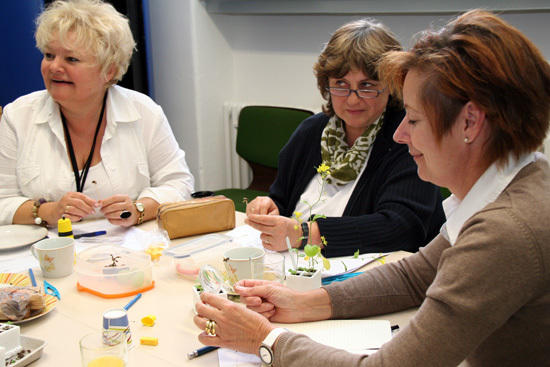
x: 196, y: 216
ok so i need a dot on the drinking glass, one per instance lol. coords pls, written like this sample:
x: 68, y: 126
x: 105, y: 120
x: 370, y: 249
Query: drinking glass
x: 274, y: 266
x: 94, y: 353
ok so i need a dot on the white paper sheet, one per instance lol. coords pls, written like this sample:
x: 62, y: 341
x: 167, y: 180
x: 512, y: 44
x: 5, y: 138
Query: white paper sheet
x: 354, y: 336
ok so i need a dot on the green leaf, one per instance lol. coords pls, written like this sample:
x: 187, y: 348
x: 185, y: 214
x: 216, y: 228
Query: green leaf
x: 311, y: 250
x: 326, y: 263
x: 317, y: 216
x: 345, y: 266
x: 356, y: 254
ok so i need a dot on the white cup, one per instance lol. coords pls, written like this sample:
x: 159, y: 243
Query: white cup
x: 244, y: 263
x: 55, y: 255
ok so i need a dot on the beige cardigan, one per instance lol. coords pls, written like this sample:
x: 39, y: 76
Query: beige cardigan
x: 485, y: 300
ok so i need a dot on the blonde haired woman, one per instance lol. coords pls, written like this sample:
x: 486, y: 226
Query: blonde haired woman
x: 84, y: 146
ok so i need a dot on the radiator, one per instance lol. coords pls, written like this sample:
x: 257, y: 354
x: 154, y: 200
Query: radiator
x: 238, y: 173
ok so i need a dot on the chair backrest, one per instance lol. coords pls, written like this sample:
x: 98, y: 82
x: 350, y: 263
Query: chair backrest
x: 264, y: 130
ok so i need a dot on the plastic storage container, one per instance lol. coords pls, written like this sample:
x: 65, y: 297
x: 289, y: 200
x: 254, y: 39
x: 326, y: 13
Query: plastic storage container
x: 188, y: 257
x: 112, y: 271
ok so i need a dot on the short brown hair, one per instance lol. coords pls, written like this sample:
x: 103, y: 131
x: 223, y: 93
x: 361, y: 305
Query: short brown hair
x: 478, y: 57
x: 355, y: 45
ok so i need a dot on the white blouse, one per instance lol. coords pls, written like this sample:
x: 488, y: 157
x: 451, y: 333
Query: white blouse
x: 334, y: 198
x: 139, y: 154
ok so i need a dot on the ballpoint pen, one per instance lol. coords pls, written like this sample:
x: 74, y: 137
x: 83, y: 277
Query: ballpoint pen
x: 199, y: 352
x: 89, y: 234
x: 131, y: 303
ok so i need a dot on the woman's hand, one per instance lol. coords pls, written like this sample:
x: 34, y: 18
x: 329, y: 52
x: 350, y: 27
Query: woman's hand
x: 237, y: 328
x: 116, y: 204
x: 73, y: 205
x: 272, y: 300
x: 282, y: 304
x: 275, y: 229
x: 262, y: 205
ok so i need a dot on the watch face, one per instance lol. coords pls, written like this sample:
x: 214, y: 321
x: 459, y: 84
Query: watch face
x: 266, y: 355
x: 139, y: 206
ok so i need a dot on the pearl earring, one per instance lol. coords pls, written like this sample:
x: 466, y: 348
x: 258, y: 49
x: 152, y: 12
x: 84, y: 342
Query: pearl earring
x: 466, y: 140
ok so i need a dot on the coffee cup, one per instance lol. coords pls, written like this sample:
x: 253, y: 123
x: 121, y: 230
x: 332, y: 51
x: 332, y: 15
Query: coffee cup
x: 116, y: 327
x: 55, y: 255
x: 244, y: 263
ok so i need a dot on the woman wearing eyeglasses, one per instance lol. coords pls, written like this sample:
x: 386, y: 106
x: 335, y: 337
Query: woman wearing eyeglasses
x: 373, y: 199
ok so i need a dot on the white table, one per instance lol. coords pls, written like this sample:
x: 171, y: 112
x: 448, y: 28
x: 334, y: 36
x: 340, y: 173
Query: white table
x: 79, y: 313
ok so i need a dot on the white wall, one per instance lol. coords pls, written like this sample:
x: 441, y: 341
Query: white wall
x: 202, y: 60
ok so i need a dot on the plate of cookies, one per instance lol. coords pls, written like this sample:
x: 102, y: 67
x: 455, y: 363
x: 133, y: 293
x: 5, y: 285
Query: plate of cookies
x: 20, y: 301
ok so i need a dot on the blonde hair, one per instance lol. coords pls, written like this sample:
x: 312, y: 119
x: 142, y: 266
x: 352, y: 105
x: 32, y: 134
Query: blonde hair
x: 93, y: 26
x: 355, y: 45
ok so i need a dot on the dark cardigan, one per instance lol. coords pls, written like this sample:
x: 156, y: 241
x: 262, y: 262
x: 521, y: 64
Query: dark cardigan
x: 390, y: 208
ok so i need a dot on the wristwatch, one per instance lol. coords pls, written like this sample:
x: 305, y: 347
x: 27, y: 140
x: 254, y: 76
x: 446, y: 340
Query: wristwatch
x: 266, y: 349
x: 141, y: 211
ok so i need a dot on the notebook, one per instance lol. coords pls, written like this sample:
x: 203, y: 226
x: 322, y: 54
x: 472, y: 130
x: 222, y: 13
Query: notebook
x: 354, y: 336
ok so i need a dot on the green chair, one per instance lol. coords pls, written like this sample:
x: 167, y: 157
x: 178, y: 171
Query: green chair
x: 261, y: 134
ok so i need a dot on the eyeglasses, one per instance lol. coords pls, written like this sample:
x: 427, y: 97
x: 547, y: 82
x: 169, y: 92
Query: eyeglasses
x: 361, y: 93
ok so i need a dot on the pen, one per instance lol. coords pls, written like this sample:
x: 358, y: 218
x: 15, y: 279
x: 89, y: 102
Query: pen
x: 199, y: 352
x: 131, y: 303
x: 31, y: 275
x: 90, y: 234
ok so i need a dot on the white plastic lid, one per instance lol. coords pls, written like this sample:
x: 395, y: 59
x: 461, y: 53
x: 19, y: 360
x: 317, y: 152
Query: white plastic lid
x: 197, y: 245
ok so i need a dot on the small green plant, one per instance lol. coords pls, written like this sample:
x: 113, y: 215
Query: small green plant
x: 312, y: 253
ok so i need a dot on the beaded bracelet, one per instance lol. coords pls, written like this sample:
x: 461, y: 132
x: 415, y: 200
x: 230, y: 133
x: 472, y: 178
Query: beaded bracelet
x: 35, y: 206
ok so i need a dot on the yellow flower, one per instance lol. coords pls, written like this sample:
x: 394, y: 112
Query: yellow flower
x: 324, y: 240
x: 297, y: 215
x: 323, y: 168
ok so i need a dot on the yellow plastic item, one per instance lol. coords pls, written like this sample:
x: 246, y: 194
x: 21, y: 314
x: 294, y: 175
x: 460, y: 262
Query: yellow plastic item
x: 155, y: 252
x: 65, y: 227
x: 148, y: 320
x: 147, y: 340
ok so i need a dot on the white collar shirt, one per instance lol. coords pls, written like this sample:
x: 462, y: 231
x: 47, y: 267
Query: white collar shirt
x: 486, y: 189
x: 139, y: 153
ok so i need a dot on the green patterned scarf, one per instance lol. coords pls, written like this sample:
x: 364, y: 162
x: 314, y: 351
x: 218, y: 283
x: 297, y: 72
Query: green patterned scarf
x: 345, y: 162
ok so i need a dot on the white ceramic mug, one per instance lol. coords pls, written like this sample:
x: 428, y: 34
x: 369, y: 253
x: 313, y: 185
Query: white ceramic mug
x: 244, y: 263
x: 55, y: 255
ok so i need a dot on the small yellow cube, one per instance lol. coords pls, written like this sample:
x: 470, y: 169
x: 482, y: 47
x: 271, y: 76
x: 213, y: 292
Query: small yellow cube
x: 147, y: 340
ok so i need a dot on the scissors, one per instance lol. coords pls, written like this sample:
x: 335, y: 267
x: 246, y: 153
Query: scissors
x: 51, y: 290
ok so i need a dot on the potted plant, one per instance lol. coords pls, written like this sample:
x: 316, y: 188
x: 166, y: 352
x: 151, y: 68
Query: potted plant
x: 306, y: 274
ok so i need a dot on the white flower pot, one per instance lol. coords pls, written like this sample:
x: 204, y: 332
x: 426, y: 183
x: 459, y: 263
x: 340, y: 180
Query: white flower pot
x: 304, y: 281
x: 10, y: 339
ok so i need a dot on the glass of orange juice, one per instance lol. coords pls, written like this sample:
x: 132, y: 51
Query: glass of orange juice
x: 95, y: 353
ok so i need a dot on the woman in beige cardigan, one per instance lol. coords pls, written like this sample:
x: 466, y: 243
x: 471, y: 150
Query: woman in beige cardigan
x: 477, y: 96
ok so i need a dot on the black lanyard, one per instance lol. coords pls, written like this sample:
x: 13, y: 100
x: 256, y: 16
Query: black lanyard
x: 80, y: 180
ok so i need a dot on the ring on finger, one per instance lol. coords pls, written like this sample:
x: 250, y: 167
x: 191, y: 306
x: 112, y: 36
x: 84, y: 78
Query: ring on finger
x: 210, y: 328
x: 67, y: 207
